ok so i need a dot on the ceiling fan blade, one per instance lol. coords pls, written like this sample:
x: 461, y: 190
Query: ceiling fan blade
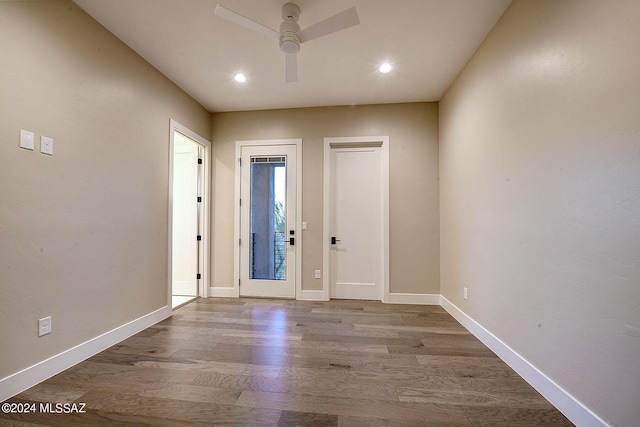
x: 290, y: 68
x: 225, y: 13
x: 341, y: 21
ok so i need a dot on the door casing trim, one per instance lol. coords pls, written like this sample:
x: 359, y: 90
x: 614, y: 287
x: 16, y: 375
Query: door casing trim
x: 235, y: 290
x: 358, y: 141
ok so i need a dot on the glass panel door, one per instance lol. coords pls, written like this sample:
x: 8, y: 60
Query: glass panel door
x: 268, y: 218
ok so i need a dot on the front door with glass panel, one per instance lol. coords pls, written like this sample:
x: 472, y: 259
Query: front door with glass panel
x: 267, y: 221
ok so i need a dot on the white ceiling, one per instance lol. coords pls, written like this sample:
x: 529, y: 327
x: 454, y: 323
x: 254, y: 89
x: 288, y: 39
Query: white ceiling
x: 427, y: 41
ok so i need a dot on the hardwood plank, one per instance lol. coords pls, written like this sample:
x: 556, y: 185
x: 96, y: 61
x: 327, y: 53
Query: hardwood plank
x: 496, y: 371
x: 440, y: 351
x: 148, y: 333
x: 193, y: 344
x: 181, y: 410
x: 50, y: 392
x: 428, y: 413
x: 372, y: 373
x: 404, y: 327
x: 268, y: 355
x: 349, y: 421
x: 363, y: 339
x: 466, y: 398
x: 516, y: 417
x: 449, y: 340
x: 129, y: 347
x: 356, y: 355
x: 328, y: 386
x: 92, y: 376
x: 295, y: 418
x: 193, y: 393
x: 514, y: 385
x: 202, y: 336
x: 242, y: 382
x: 221, y: 326
x: 95, y: 418
x: 17, y: 423
x: 317, y: 345
x: 457, y: 361
x: 208, y: 366
x: 122, y: 373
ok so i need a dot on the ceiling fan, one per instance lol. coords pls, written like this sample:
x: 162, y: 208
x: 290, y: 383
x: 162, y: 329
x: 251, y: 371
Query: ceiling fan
x: 290, y: 35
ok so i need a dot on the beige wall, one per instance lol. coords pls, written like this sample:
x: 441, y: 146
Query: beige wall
x: 413, y: 170
x: 540, y: 195
x: 83, y: 234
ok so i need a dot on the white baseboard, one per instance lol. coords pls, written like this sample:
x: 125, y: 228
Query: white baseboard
x: 422, y: 299
x: 310, y: 295
x: 226, y: 292
x: 35, y: 374
x: 575, y: 411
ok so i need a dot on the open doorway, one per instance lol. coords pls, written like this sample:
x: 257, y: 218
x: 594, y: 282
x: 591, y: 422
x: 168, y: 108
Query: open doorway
x: 188, y: 213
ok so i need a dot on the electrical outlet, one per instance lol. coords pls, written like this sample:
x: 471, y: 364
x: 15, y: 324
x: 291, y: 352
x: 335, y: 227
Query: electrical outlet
x: 465, y: 293
x: 44, y: 326
x: 318, y: 274
x: 46, y: 145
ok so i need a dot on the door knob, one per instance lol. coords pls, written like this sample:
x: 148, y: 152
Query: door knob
x: 334, y: 240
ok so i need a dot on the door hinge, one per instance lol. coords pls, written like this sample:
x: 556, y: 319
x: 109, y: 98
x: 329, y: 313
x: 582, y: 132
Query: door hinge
x: 240, y: 202
x: 198, y: 237
x: 199, y: 199
x: 239, y: 242
x: 198, y: 276
x: 238, y: 282
x: 240, y: 161
x: 199, y: 161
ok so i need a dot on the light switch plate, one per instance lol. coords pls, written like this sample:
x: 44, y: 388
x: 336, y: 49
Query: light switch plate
x: 46, y: 145
x: 26, y: 139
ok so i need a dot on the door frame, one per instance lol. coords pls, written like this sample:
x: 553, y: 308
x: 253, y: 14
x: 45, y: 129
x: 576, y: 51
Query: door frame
x: 203, y: 283
x: 358, y: 141
x: 298, y: 225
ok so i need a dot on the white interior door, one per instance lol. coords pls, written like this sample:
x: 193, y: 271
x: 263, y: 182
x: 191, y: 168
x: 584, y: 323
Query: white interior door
x: 186, y: 218
x: 356, y: 223
x: 268, y: 208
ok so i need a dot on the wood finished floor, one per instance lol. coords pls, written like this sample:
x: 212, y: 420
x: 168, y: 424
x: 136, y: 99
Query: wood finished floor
x: 258, y: 362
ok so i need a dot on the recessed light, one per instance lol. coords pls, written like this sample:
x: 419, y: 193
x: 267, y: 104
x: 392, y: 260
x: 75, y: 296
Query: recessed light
x: 385, y: 68
x: 240, y: 78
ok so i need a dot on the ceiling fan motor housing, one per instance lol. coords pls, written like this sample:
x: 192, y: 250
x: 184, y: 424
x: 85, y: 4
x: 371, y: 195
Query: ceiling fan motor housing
x: 289, y: 40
